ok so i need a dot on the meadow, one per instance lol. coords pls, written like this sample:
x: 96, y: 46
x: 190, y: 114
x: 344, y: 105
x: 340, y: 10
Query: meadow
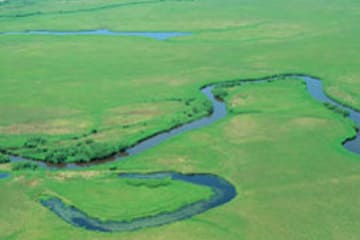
x: 279, y: 147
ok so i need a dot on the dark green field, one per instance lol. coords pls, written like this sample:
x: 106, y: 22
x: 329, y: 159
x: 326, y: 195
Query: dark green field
x: 83, y: 97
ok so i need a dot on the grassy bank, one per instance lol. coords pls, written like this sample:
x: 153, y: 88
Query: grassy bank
x: 117, y: 90
x: 280, y: 148
x: 100, y: 195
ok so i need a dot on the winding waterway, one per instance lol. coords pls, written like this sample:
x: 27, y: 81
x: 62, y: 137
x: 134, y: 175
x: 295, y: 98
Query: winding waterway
x: 223, y: 191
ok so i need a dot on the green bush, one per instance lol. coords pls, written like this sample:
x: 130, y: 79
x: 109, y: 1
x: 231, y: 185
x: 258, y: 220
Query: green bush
x: 337, y: 109
x: 220, y: 93
x: 114, y: 168
x: 34, y: 142
x: 4, y: 158
x: 24, y: 166
x: 195, y: 108
x: 150, y: 183
x: 199, y: 107
x: 81, y: 152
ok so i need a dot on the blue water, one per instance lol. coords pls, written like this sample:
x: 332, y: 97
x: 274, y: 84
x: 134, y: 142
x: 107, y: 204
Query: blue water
x: 314, y: 87
x: 219, y: 112
x: 155, y: 35
x: 223, y: 192
x: 4, y: 175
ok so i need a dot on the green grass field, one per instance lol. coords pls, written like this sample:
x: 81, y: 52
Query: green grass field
x: 279, y: 147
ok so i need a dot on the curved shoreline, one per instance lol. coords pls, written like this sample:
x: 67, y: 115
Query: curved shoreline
x: 223, y: 192
x: 314, y: 87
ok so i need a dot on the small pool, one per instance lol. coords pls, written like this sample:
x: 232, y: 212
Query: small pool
x: 4, y: 175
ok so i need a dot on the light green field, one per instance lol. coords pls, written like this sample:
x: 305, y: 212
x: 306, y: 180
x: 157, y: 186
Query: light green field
x: 104, y: 82
x: 279, y: 147
x: 109, y: 198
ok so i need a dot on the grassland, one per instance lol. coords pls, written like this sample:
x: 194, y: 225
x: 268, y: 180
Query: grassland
x: 117, y: 199
x: 123, y: 199
x: 280, y: 148
x: 101, y: 98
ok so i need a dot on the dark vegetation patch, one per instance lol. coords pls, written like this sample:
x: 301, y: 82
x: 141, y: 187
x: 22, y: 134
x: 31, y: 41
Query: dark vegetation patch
x: 24, y: 166
x: 34, y: 142
x: 81, y: 152
x: 150, y: 183
x: 4, y: 158
x: 337, y: 109
x: 196, y: 108
x: 82, y: 148
x: 84, y: 151
x: 220, y: 93
x: 113, y: 168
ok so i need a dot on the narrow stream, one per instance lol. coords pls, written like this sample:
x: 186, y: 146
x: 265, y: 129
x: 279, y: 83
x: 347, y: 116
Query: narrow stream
x: 223, y: 191
x: 315, y: 88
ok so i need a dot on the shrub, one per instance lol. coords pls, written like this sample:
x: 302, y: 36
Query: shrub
x: 70, y: 154
x: 220, y: 93
x: 94, y: 131
x: 101, y: 150
x: 89, y: 141
x: 34, y: 142
x: 150, y: 183
x: 337, y: 109
x: 199, y: 107
x: 189, y: 101
x: 56, y: 156
x: 81, y: 152
x: 24, y: 166
x: 4, y: 158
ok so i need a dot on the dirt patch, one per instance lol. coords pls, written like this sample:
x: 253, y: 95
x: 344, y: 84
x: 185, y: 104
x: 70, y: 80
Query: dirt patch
x: 342, y: 94
x: 54, y: 127
x: 239, y: 100
x: 33, y: 183
x: 245, y: 129
x: 126, y: 115
x: 62, y: 176
x: 309, y: 122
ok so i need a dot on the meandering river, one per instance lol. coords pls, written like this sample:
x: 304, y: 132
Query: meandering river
x: 223, y: 191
